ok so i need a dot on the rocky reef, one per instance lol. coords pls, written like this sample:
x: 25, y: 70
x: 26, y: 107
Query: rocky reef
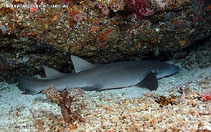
x: 42, y: 32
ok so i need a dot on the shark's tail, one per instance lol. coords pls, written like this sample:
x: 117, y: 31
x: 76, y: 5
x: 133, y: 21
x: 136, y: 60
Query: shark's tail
x: 29, y: 85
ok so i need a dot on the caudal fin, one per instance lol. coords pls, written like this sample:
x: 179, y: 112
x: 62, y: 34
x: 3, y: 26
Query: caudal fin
x: 29, y: 85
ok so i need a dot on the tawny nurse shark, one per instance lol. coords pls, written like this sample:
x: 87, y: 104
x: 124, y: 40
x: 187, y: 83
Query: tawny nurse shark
x: 91, y: 77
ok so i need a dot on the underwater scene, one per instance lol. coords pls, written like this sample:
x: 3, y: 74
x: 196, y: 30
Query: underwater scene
x: 105, y: 65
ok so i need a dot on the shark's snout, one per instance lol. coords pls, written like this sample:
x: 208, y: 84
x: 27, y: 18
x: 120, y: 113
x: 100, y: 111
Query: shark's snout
x: 171, y: 69
x: 166, y: 69
x: 174, y: 69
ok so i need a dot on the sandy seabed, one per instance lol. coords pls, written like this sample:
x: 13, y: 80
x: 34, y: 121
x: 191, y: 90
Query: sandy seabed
x: 181, y: 103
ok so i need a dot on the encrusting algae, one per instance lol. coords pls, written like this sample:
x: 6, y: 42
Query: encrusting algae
x: 150, y: 112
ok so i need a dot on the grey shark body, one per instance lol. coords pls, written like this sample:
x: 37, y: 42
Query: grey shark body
x: 92, y: 77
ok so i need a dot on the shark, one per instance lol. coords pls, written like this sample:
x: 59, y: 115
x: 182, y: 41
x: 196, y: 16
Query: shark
x: 100, y: 77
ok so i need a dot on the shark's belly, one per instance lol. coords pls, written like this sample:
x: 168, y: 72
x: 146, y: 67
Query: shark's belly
x: 118, y: 82
x: 109, y: 80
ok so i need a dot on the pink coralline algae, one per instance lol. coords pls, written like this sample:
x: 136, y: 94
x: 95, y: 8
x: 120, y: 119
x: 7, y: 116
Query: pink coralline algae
x: 140, y: 7
x: 206, y: 96
x: 68, y: 2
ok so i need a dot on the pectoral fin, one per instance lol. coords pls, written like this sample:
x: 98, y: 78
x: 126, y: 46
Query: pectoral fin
x: 150, y: 82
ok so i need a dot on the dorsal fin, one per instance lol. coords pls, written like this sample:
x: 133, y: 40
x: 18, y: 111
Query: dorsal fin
x: 51, y: 73
x: 81, y: 64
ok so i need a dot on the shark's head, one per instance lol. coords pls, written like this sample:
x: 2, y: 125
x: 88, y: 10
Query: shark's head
x: 164, y: 69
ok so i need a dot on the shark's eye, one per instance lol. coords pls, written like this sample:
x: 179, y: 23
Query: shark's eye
x: 158, y: 70
x: 154, y: 69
